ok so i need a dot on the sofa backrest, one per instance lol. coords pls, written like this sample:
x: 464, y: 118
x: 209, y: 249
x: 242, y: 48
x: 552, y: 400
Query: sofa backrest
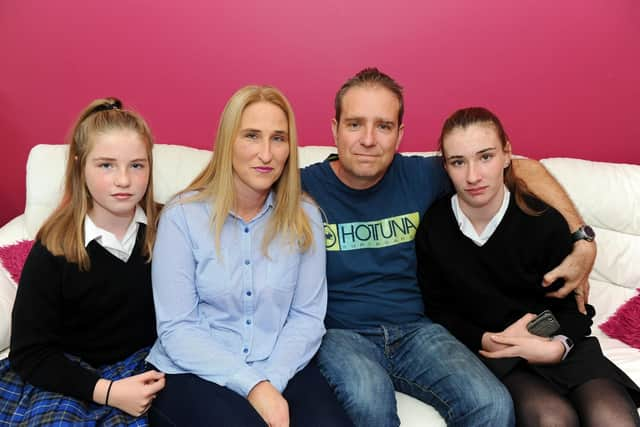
x: 607, y: 196
x: 174, y: 168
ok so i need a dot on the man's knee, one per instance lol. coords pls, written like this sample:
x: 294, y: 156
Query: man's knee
x: 359, y: 381
x: 490, y: 404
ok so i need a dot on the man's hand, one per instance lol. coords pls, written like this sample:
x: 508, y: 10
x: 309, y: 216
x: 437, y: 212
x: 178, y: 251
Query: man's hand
x: 269, y: 403
x: 575, y: 269
x: 132, y: 395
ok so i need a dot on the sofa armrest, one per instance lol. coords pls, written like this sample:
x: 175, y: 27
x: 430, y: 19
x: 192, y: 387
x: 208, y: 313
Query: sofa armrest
x: 7, y: 297
x: 10, y: 233
x: 14, y: 231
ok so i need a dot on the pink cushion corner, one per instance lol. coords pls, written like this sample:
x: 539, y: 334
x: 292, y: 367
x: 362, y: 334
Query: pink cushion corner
x: 13, y: 257
x: 624, y: 324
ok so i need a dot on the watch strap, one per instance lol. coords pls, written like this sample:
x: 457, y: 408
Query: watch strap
x: 566, y: 342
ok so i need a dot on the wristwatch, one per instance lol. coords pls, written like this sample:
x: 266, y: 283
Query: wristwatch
x: 583, y: 233
x: 566, y: 342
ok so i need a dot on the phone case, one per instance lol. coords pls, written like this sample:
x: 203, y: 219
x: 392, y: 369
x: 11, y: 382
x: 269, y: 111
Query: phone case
x: 544, y: 325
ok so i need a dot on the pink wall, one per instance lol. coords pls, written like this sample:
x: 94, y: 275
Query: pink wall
x: 563, y: 75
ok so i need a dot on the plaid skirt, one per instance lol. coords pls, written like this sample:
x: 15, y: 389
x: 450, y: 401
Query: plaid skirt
x: 22, y: 404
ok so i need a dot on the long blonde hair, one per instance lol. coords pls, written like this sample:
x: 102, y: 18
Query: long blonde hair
x: 215, y: 182
x: 63, y: 232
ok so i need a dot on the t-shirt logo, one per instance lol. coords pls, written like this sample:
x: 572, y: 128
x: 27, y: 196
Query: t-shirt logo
x: 371, y: 234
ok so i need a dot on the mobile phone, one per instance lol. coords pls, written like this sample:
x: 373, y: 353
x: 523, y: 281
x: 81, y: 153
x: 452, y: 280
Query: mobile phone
x: 544, y: 325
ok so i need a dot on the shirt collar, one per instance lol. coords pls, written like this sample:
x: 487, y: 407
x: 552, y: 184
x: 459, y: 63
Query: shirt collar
x: 268, y: 203
x: 93, y: 232
x: 466, y: 227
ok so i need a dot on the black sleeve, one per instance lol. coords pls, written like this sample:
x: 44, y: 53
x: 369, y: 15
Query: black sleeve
x: 439, y: 301
x: 37, y: 321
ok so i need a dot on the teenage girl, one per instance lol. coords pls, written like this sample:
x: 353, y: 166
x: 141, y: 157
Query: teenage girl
x: 481, y: 257
x: 83, y: 318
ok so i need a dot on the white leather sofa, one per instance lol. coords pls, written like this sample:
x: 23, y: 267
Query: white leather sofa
x: 607, y: 195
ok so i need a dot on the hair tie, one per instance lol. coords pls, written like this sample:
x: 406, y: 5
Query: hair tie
x: 116, y: 105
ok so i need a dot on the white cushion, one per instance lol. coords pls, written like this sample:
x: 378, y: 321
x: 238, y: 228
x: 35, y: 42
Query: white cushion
x: 45, y: 181
x: 606, y: 194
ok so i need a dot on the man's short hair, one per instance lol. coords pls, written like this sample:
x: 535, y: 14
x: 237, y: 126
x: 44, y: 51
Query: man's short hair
x: 373, y: 77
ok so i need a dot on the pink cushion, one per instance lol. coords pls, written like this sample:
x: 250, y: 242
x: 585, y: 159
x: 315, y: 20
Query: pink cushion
x: 624, y: 325
x: 14, y: 256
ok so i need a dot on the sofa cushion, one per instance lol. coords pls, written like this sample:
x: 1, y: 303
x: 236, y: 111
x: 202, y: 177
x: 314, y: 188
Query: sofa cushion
x: 13, y: 257
x: 625, y: 323
x: 604, y: 204
x: 45, y: 180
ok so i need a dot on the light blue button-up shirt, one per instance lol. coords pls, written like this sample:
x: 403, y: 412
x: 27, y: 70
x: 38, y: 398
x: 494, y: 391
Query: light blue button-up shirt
x: 236, y: 317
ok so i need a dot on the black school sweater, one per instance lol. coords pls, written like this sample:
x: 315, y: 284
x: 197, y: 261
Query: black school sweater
x: 473, y: 289
x: 101, y: 316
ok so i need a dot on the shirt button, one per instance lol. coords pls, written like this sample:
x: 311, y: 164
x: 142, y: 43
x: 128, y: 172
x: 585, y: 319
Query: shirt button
x: 245, y: 350
x: 247, y: 262
x: 248, y: 293
x: 248, y: 321
x: 246, y: 229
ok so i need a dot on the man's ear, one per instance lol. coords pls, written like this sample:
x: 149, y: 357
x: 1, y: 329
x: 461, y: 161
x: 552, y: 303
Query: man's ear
x: 334, y: 130
x: 400, y: 135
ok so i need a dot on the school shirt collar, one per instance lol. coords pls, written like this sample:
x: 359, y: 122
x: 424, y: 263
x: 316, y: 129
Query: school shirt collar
x: 121, y: 249
x: 466, y: 227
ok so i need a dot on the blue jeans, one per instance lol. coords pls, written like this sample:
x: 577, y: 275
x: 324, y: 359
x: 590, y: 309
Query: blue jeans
x: 420, y: 359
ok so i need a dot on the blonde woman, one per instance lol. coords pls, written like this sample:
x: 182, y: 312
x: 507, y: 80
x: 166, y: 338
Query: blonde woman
x: 239, y: 282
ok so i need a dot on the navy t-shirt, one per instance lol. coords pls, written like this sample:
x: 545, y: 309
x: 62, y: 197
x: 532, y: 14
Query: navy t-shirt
x: 371, y: 261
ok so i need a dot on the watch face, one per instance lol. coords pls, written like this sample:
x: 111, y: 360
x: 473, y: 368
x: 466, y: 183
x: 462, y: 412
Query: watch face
x: 588, y: 231
x: 584, y: 232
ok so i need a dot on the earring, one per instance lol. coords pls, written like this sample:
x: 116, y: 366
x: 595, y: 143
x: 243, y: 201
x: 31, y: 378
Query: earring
x: 506, y: 164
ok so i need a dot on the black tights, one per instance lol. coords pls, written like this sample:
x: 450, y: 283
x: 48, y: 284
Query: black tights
x: 598, y: 402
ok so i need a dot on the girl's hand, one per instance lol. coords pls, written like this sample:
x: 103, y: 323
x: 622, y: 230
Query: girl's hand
x: 133, y: 395
x: 516, y: 329
x: 534, y: 349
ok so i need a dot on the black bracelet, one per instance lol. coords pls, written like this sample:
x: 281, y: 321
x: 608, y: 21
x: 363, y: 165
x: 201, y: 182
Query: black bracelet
x: 106, y: 401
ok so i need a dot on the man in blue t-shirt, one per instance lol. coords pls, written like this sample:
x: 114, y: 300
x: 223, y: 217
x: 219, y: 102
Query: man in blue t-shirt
x: 378, y: 339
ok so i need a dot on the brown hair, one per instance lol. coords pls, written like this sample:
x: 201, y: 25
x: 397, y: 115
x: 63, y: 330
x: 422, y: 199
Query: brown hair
x: 63, y: 232
x: 466, y: 117
x: 215, y: 182
x: 372, y: 77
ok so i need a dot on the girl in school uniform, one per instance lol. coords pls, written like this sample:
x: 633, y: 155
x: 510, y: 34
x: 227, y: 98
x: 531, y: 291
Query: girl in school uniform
x: 482, y: 255
x: 83, y: 318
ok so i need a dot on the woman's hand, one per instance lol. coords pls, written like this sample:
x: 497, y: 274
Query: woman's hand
x: 132, y: 395
x: 269, y: 403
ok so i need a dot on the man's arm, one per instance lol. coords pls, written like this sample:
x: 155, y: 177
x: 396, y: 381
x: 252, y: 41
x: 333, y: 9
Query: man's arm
x: 576, y: 267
